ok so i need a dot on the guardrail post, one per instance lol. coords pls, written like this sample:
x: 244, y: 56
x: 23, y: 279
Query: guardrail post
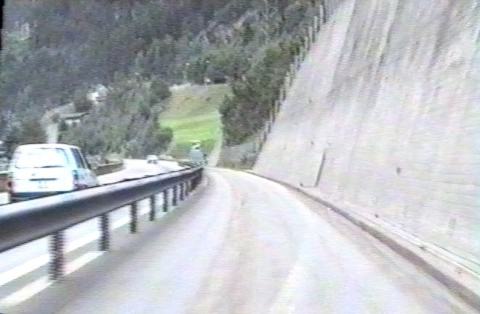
x: 134, y: 217
x: 322, y: 15
x: 276, y: 108
x: 165, y: 201
x: 196, y: 181
x: 104, y: 232
x: 174, y: 196
x: 153, y: 207
x: 310, y: 37
x: 57, y: 255
x: 182, y: 191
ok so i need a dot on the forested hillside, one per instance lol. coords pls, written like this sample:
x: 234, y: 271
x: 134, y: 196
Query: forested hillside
x: 57, y: 49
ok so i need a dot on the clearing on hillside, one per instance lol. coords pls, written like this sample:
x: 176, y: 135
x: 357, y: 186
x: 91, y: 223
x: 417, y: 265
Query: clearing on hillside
x: 192, y: 114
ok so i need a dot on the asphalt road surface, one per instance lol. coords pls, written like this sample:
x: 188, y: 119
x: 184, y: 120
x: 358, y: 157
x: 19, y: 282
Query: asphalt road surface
x: 243, y: 244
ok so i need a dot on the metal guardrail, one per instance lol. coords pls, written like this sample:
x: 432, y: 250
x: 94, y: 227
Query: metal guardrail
x: 49, y: 216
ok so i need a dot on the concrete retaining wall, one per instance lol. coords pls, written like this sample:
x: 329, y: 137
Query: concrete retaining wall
x: 385, y: 114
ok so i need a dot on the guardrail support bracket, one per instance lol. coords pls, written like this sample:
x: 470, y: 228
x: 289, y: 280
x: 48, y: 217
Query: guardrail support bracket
x: 174, y: 196
x: 182, y: 191
x: 165, y: 201
x: 57, y: 255
x: 104, y: 232
x: 134, y: 218
x: 153, y: 207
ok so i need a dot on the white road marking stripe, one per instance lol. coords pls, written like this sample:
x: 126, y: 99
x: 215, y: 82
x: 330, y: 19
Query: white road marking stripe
x: 36, y: 263
x: 283, y: 303
x: 23, y: 269
x: 26, y: 292
x: 41, y: 284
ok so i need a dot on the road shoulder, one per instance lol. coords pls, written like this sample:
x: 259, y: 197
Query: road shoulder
x: 448, y: 270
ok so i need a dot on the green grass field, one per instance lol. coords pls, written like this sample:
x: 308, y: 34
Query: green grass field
x: 192, y: 114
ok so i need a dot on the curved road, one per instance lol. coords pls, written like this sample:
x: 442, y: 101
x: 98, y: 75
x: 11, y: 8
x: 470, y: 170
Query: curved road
x: 243, y: 244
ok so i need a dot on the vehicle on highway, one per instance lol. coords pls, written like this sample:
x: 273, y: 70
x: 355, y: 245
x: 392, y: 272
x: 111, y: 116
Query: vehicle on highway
x: 152, y: 159
x: 38, y: 170
x: 196, y: 156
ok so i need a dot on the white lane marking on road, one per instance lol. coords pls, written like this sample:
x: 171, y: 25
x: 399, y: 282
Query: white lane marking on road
x: 36, y: 263
x: 41, y: 284
x: 283, y: 303
x: 82, y: 261
x: 23, y: 269
x: 26, y: 292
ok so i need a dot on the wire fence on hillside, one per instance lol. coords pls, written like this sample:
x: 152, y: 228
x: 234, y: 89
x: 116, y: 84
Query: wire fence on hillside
x: 246, y: 154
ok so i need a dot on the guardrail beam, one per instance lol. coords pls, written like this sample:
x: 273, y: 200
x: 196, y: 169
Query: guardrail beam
x: 94, y: 203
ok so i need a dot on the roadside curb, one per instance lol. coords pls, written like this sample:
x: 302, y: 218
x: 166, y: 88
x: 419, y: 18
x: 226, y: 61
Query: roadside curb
x: 460, y: 280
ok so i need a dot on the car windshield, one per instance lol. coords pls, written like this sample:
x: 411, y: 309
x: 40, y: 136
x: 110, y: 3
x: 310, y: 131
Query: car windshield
x: 41, y: 158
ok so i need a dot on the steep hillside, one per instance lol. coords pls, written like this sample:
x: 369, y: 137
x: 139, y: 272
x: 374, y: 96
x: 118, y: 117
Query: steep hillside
x: 384, y: 115
x: 79, y: 44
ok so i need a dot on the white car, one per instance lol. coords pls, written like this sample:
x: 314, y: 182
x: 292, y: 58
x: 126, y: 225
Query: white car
x: 38, y: 170
x: 152, y: 159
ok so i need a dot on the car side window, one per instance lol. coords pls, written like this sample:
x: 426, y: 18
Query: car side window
x: 85, y: 161
x: 78, y: 159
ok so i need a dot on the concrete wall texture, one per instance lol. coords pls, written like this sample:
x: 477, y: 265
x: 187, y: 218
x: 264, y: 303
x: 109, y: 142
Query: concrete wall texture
x: 385, y: 114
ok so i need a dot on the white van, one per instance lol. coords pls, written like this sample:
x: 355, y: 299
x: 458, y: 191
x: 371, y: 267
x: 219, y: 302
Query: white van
x: 152, y: 159
x: 43, y: 169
